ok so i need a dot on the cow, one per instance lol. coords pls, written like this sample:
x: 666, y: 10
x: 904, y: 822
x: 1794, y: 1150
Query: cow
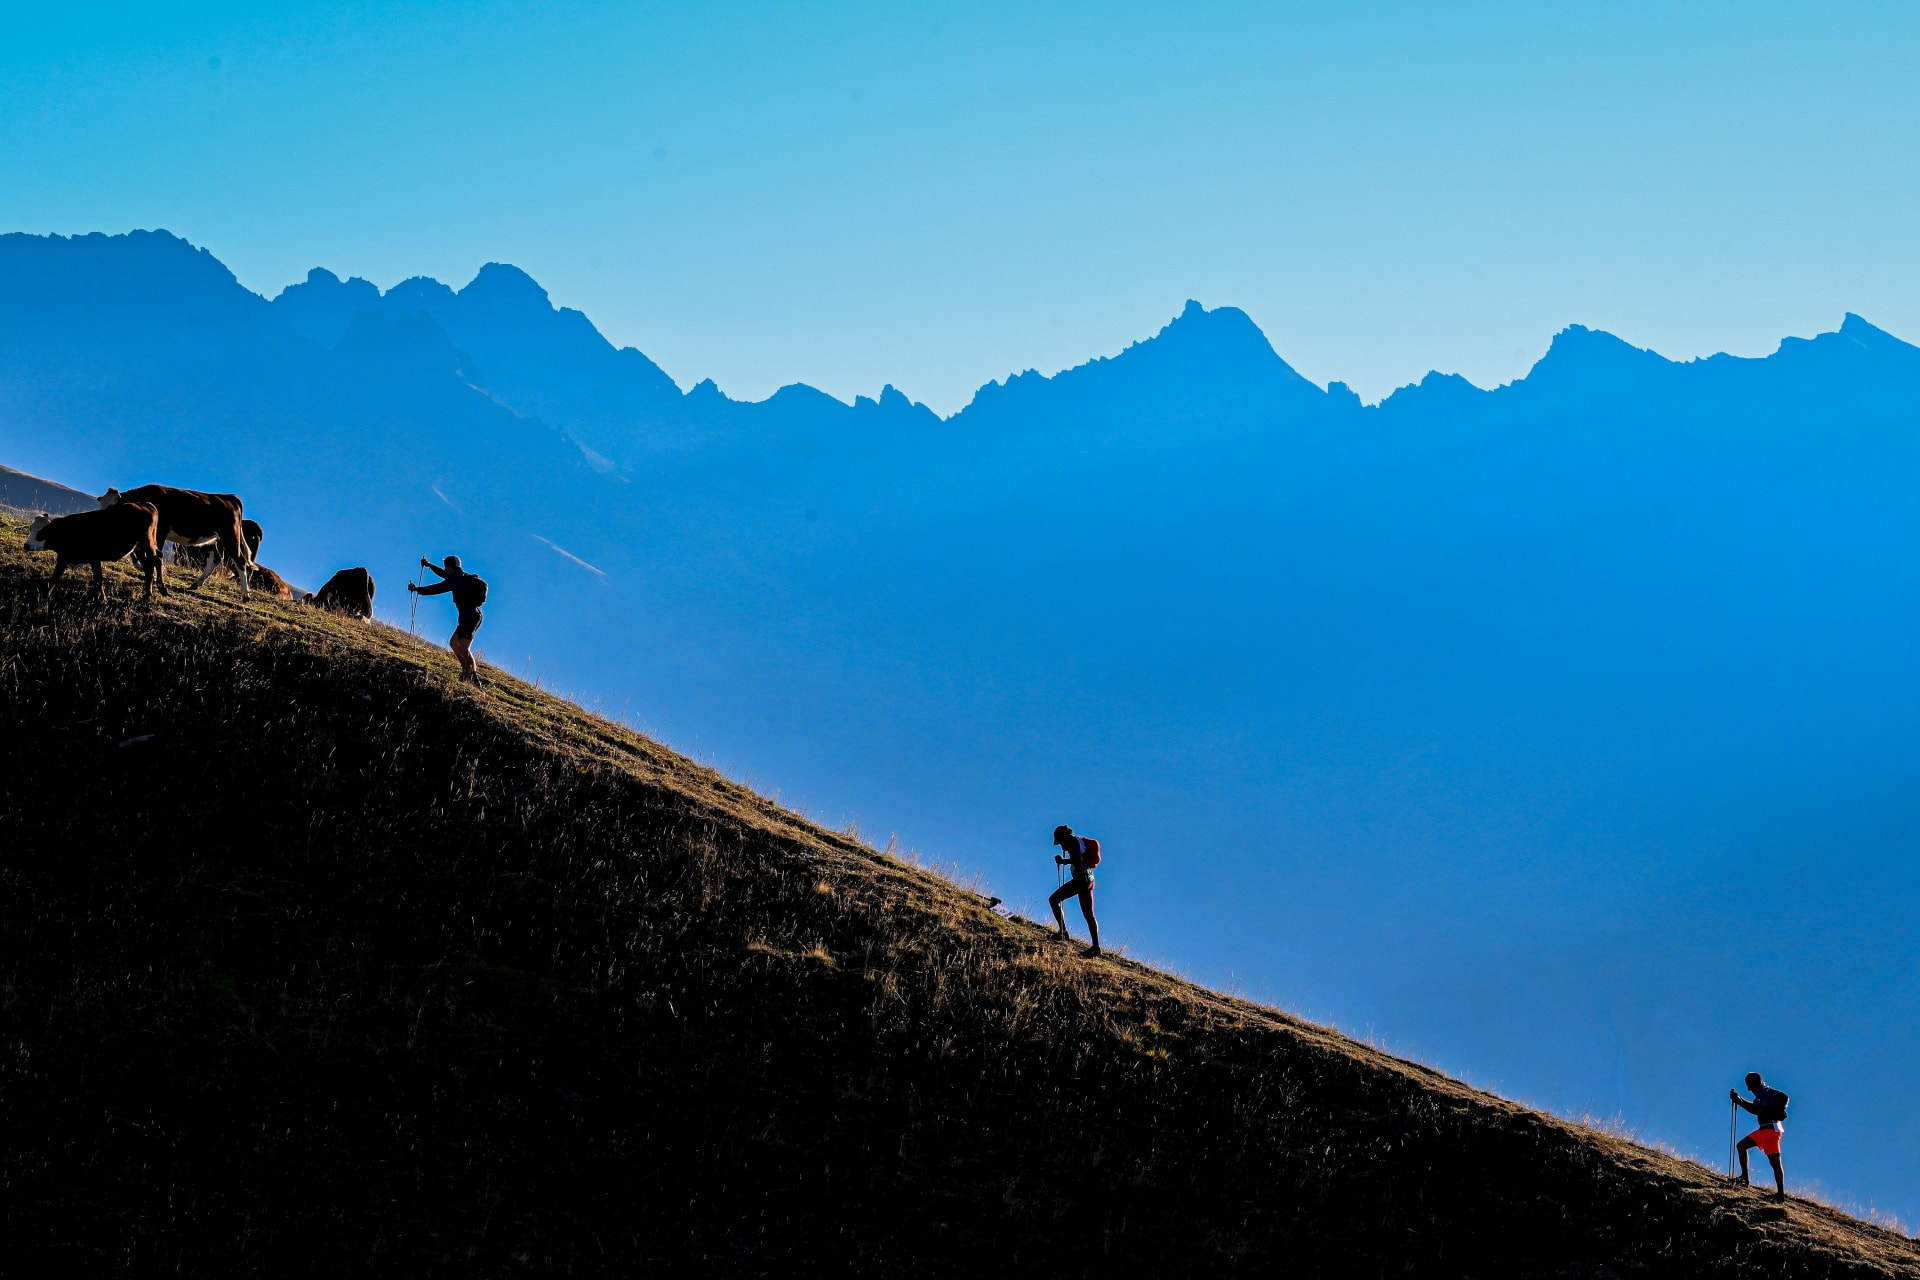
x: 96, y: 537
x: 265, y: 579
x: 348, y: 591
x: 201, y: 557
x: 194, y: 519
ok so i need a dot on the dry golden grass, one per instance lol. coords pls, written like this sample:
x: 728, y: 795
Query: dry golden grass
x: 347, y: 967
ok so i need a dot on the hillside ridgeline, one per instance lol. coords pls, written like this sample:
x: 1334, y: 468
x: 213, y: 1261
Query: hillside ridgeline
x: 317, y: 963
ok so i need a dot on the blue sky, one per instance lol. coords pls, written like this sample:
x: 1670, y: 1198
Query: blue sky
x: 851, y: 195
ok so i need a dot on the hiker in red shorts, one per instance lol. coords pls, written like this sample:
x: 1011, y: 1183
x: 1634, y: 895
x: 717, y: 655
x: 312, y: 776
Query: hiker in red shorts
x: 1083, y: 855
x: 1769, y: 1107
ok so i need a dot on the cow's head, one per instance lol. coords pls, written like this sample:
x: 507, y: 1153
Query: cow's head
x: 111, y: 498
x: 39, y: 527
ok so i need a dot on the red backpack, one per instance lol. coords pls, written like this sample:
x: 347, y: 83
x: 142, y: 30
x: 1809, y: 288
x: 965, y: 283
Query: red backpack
x: 1089, y: 852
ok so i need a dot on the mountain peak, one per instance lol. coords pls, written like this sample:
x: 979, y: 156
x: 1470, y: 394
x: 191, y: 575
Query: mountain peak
x: 1200, y: 363
x: 1578, y: 340
x: 1856, y: 329
x: 894, y: 405
x: 322, y: 307
x: 1855, y: 338
x: 1226, y: 325
x: 1591, y: 359
x: 501, y: 283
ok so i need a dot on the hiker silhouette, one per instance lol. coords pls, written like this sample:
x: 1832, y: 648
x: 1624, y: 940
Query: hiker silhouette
x: 469, y: 592
x: 1082, y: 856
x: 1769, y: 1107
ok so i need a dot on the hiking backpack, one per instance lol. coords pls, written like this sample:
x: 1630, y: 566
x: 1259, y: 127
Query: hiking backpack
x: 479, y: 589
x: 1089, y: 852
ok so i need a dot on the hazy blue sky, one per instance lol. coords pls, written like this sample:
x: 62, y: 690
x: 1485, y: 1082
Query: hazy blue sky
x: 852, y: 194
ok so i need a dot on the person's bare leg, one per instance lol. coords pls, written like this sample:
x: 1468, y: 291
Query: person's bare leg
x: 463, y: 650
x: 1779, y: 1177
x: 1059, y: 896
x: 1093, y: 926
x: 1746, y: 1145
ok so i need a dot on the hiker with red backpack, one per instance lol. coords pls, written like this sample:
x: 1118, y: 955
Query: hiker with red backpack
x: 1082, y: 856
x: 469, y: 592
x: 1769, y: 1107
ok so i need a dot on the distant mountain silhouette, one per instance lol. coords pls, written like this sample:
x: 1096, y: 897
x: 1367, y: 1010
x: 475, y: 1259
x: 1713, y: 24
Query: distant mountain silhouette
x: 29, y: 496
x: 539, y: 361
x: 552, y: 364
x: 1203, y: 364
x: 1497, y: 719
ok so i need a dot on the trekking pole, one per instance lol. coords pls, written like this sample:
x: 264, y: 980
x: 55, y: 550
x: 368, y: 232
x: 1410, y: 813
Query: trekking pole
x: 1733, y: 1111
x: 413, y: 609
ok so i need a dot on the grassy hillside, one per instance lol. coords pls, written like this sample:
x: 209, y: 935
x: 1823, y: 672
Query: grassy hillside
x: 314, y: 962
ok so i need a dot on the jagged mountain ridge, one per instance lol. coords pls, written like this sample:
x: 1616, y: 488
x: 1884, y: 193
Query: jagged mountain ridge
x: 550, y: 363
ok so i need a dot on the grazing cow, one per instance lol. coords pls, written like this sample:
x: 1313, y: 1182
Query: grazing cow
x: 201, y: 557
x: 194, y: 519
x: 265, y: 579
x: 348, y: 591
x: 95, y: 537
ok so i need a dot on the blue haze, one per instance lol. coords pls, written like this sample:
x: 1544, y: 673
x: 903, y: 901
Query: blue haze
x: 1560, y: 735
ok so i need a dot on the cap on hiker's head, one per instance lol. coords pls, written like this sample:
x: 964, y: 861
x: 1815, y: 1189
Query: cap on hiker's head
x: 1061, y: 833
x: 1753, y: 1077
x: 453, y: 562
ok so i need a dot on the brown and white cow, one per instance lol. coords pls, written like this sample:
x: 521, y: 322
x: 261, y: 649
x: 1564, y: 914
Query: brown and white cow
x: 201, y: 557
x: 265, y: 579
x: 97, y: 537
x: 348, y: 591
x: 190, y: 518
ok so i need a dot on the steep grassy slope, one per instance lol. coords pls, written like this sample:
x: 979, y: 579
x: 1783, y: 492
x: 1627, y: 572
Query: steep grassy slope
x: 313, y: 962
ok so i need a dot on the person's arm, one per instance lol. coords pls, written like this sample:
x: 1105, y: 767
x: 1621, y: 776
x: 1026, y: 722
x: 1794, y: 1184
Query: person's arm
x: 438, y: 572
x: 437, y: 589
x: 1742, y: 1103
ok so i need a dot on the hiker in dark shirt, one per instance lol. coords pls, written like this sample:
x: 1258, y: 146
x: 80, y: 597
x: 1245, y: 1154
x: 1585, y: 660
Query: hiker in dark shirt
x: 1082, y: 856
x: 1769, y: 1107
x: 469, y: 592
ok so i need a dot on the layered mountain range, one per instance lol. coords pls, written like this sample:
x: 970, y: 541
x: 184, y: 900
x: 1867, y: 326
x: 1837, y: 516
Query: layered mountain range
x: 1558, y: 733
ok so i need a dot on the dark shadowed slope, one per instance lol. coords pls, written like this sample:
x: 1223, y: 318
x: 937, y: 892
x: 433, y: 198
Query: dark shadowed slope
x: 316, y: 964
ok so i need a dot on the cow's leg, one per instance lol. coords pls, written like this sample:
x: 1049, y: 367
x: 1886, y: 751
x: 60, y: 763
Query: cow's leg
x: 213, y: 563
x: 160, y: 559
x: 243, y: 570
x: 59, y: 567
x: 100, y: 581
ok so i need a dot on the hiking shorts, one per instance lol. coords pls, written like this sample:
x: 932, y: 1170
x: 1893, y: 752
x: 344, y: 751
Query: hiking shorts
x: 1767, y: 1138
x: 1080, y: 886
x: 469, y: 623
